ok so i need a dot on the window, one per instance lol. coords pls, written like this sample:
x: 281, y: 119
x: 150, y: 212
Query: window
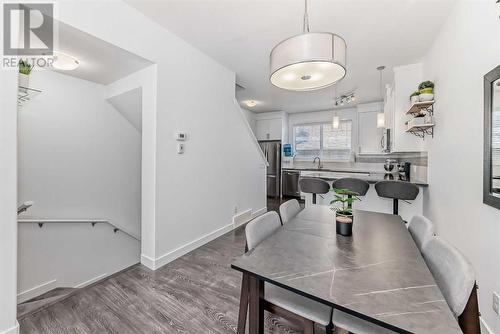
x: 322, y: 140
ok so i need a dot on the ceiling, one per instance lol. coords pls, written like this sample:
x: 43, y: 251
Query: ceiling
x: 241, y: 33
x: 100, y: 61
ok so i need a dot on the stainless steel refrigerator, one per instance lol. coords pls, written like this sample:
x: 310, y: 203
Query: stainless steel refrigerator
x: 272, y: 151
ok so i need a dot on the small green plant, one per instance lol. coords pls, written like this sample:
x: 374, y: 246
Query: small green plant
x: 25, y: 67
x: 416, y: 93
x: 345, y: 198
x: 426, y: 84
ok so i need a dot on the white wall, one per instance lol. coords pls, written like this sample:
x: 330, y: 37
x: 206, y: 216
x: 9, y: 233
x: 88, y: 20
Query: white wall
x: 193, y: 200
x: 466, y: 48
x: 79, y: 158
x: 8, y: 201
x: 250, y: 117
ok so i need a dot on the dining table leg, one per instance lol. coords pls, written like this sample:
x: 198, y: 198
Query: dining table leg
x: 256, y: 306
x: 242, y: 315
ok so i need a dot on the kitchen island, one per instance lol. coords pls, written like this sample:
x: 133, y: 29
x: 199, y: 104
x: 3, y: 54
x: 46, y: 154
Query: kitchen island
x: 370, y: 202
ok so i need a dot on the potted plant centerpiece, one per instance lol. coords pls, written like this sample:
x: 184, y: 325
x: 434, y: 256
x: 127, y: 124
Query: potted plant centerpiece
x: 24, y: 73
x: 426, y: 90
x: 342, y: 205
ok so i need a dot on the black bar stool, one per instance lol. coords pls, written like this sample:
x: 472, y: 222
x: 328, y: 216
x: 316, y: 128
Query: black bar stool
x: 314, y: 186
x: 358, y: 186
x: 396, y: 190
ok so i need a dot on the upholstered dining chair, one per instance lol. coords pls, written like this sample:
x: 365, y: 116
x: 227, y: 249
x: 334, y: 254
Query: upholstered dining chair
x: 314, y: 186
x: 281, y: 302
x: 397, y: 190
x: 456, y: 280
x: 288, y: 210
x: 421, y: 230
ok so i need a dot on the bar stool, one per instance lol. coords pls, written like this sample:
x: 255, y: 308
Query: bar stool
x: 396, y: 190
x: 358, y: 186
x: 314, y: 186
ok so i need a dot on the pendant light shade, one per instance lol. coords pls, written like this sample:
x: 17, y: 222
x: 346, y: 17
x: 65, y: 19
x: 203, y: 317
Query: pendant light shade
x: 335, y: 122
x: 308, y: 61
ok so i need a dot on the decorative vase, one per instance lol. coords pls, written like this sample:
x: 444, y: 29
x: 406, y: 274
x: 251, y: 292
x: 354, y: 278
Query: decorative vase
x: 24, y: 80
x: 344, y: 224
x: 414, y: 99
x: 426, y: 97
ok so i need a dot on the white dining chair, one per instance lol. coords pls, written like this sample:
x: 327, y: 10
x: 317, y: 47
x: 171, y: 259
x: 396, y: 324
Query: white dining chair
x: 421, y: 230
x: 288, y: 210
x: 279, y: 301
x: 455, y: 278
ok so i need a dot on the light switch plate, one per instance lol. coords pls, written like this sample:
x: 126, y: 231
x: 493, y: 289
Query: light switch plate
x: 496, y: 301
x: 180, y: 148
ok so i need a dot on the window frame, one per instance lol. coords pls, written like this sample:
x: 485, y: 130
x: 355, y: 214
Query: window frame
x: 321, y: 148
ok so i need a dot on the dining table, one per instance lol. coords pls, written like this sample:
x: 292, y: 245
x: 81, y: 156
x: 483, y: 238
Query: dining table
x: 377, y: 274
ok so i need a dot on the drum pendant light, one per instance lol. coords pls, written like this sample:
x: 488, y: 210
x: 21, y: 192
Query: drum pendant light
x: 309, y: 61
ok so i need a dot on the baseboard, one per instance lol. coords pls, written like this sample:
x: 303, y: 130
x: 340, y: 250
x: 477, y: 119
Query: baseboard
x: 259, y: 212
x: 147, y: 261
x: 13, y: 330
x: 36, y: 291
x: 90, y: 281
x: 178, y: 252
x: 485, y: 329
x: 242, y: 218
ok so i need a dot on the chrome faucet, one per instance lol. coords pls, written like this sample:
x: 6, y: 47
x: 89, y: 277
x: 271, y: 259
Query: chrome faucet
x: 319, y: 162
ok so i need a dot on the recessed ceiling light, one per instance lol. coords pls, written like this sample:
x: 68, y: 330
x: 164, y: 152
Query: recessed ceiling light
x: 64, y: 62
x: 250, y: 103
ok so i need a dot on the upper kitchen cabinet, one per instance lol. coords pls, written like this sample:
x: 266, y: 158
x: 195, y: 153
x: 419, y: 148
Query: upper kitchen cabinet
x: 370, y: 137
x: 269, y: 126
x: 406, y: 80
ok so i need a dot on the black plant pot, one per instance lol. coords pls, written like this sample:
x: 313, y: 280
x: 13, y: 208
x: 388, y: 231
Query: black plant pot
x: 344, y: 224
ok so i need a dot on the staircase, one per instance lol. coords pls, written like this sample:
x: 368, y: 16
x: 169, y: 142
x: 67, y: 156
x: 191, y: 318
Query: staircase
x: 39, y: 303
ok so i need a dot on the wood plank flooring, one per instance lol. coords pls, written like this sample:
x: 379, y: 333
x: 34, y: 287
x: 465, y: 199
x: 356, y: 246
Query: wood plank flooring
x: 197, y: 293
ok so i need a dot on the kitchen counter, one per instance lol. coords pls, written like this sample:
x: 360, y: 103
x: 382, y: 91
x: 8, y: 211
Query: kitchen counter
x: 370, y: 177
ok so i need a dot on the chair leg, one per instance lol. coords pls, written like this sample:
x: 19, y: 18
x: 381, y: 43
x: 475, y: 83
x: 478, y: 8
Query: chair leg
x: 469, y: 319
x: 242, y: 316
x: 308, y: 326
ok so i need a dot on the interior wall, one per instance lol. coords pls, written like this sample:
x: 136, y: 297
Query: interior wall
x: 8, y: 201
x: 466, y: 48
x: 78, y: 156
x: 193, y: 200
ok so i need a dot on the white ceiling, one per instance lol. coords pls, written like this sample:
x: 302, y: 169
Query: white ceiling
x: 100, y: 61
x: 241, y: 33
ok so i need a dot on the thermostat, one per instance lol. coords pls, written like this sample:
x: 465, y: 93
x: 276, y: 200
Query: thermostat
x: 180, y: 136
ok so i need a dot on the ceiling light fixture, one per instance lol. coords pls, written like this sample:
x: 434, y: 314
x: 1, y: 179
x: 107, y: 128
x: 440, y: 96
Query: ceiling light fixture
x: 250, y: 103
x: 345, y: 99
x: 64, y: 62
x: 381, y: 115
x: 309, y: 61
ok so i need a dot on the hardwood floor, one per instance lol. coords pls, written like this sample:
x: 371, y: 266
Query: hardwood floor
x: 197, y: 293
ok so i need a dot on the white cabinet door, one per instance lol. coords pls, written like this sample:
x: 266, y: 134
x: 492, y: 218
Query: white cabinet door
x: 275, y: 129
x: 262, y: 126
x: 369, y: 135
x: 269, y: 129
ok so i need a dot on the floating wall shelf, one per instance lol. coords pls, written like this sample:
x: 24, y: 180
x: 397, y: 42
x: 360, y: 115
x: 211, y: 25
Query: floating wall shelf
x: 422, y: 109
x: 25, y: 94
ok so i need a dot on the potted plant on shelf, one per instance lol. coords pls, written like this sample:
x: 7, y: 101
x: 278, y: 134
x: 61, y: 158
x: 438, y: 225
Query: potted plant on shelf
x: 343, y: 211
x: 414, y: 97
x: 25, y: 69
x: 426, y: 90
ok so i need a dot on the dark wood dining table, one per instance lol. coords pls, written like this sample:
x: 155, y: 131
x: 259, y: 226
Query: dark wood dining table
x: 377, y: 274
